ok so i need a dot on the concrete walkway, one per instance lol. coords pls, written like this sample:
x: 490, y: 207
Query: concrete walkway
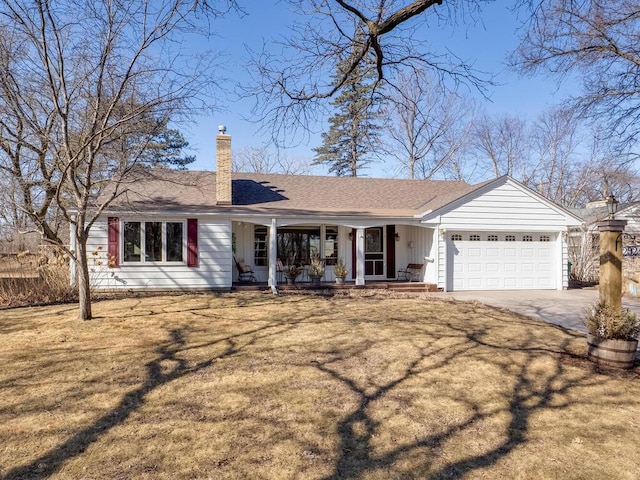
x: 561, y: 307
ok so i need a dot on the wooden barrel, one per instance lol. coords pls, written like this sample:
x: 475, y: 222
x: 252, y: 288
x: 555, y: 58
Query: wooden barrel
x: 612, y: 353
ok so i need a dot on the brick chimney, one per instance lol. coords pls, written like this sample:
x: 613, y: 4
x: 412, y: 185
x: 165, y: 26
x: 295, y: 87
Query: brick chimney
x: 223, y: 167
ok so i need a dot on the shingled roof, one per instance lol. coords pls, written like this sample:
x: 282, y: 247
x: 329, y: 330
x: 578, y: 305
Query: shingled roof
x: 195, y: 192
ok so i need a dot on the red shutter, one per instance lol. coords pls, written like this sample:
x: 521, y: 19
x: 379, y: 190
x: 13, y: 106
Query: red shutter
x: 113, y: 241
x: 192, y: 242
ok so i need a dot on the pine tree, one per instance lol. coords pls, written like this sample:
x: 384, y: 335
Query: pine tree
x: 349, y: 143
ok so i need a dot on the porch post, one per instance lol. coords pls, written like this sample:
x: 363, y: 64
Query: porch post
x: 273, y: 253
x: 360, y: 256
x: 611, y: 262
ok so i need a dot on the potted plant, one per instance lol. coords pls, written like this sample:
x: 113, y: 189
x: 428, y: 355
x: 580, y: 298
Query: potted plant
x: 340, y: 271
x: 291, y: 272
x: 316, y: 269
x: 612, y: 338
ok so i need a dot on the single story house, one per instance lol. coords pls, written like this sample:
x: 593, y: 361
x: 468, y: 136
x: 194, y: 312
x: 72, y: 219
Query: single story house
x: 182, y: 230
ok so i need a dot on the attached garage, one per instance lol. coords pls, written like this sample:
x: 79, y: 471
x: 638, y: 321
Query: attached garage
x: 501, y: 236
x: 502, y: 261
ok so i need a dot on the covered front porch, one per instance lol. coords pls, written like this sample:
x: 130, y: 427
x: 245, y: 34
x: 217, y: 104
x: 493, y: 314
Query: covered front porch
x: 372, y: 252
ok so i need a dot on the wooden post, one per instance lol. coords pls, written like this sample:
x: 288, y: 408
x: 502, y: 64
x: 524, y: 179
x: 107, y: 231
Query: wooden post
x: 611, y: 262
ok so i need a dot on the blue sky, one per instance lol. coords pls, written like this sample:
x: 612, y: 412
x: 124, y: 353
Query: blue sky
x: 485, y: 44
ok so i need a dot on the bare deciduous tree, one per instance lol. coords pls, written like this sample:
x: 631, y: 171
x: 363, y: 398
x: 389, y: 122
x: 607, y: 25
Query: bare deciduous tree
x: 503, y: 143
x: 557, y: 174
x: 79, y: 79
x: 598, y: 42
x: 265, y: 160
x: 424, y: 118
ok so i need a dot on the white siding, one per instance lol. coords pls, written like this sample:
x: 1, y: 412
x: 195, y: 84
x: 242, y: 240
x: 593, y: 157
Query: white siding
x: 564, y: 255
x: 416, y: 246
x: 506, y: 207
x: 214, y: 261
x: 442, y: 261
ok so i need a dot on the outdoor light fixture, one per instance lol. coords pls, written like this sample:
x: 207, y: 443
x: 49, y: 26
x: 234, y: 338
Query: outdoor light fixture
x: 612, y: 206
x: 350, y: 235
x: 397, y: 237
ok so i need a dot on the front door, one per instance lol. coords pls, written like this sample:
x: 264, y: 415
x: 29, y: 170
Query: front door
x: 374, y: 253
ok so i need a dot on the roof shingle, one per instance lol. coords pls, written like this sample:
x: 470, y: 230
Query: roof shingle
x: 194, y: 191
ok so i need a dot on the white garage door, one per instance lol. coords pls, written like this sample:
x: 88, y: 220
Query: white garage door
x: 499, y: 261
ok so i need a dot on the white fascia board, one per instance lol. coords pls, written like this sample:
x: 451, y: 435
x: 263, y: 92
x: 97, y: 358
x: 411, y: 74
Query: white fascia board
x: 353, y: 222
x: 432, y: 222
x: 264, y: 218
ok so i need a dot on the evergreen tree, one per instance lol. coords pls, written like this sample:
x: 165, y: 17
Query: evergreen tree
x: 348, y: 145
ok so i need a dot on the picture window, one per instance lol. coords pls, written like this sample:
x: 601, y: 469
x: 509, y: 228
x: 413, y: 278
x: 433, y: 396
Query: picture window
x: 151, y: 242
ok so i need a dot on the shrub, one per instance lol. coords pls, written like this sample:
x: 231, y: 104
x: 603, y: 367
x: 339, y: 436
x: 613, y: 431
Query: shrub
x: 316, y: 268
x: 605, y: 322
x: 36, y: 280
x: 340, y: 269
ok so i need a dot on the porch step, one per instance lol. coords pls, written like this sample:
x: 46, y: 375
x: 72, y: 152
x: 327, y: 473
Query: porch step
x: 395, y: 286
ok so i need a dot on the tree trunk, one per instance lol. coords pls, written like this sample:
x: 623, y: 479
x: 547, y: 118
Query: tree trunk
x: 82, y: 269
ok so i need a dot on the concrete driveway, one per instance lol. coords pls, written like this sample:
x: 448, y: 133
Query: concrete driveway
x: 561, y: 307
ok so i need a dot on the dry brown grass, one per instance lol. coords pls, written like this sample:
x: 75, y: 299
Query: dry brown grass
x: 253, y: 386
x: 34, y: 279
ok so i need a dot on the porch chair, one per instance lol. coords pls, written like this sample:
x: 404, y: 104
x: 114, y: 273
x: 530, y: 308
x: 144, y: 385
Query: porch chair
x: 411, y: 272
x: 245, y: 272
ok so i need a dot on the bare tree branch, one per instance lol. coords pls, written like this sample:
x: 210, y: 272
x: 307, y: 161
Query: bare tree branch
x: 290, y: 89
x: 80, y: 82
x: 596, y: 43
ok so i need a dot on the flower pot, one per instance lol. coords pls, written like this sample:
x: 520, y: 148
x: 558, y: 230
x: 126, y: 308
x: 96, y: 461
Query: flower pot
x: 291, y: 280
x: 315, y: 280
x: 339, y: 280
x: 611, y: 353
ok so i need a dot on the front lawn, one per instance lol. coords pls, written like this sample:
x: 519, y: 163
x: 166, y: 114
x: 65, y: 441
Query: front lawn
x: 251, y: 386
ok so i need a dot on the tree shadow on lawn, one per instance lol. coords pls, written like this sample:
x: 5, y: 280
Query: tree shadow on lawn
x: 529, y: 393
x: 430, y: 353
x: 157, y: 375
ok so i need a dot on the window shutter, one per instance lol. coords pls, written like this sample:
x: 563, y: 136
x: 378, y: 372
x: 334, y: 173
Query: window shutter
x: 113, y: 241
x: 192, y: 242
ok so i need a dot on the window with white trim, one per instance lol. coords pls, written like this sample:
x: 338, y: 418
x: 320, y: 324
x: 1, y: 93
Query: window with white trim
x: 456, y: 237
x: 474, y: 238
x: 492, y: 238
x: 527, y: 238
x: 510, y: 238
x: 260, y: 246
x: 545, y: 238
x: 153, y: 242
